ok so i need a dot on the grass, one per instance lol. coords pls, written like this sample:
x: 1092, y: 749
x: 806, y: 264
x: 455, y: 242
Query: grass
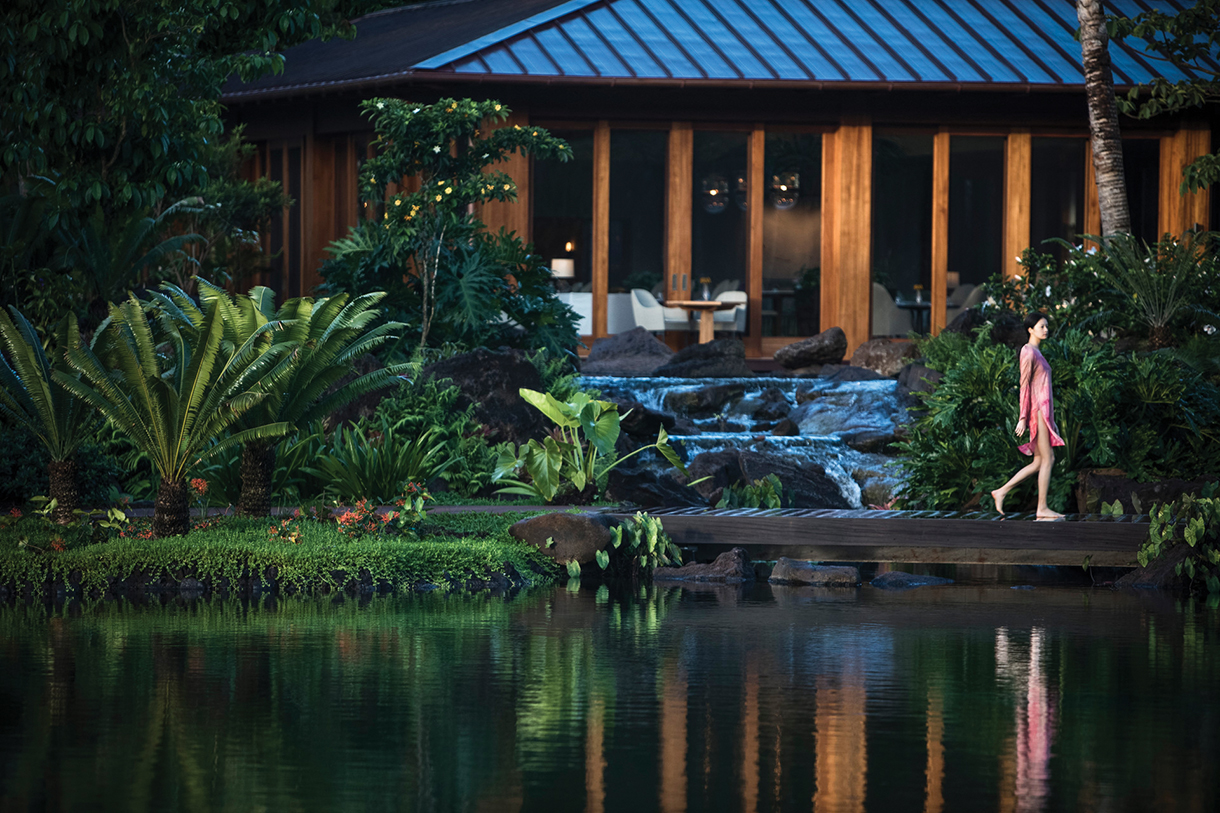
x: 448, y: 548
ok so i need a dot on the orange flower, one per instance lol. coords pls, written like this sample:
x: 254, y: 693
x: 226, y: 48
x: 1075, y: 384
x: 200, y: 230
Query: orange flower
x: 199, y: 487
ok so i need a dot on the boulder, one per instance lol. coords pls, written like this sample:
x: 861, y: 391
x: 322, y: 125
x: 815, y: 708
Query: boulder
x: 869, y: 414
x: 773, y: 405
x: 828, y: 347
x: 573, y: 536
x: 1007, y: 329
x: 651, y: 485
x: 917, y: 377
x: 720, y: 358
x: 883, y: 356
x: 786, y: 428
x: 898, y: 580
x: 702, y: 401
x: 1160, y: 574
x: 847, y: 372
x: 639, y: 421
x: 794, y: 571
x: 732, y: 567
x: 968, y: 322
x: 636, y: 352
x: 1095, y: 486
x: 806, y: 484
x: 492, y: 380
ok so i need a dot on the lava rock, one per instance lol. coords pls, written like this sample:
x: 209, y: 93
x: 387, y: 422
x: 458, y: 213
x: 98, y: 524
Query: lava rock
x: 968, y: 322
x: 917, y: 377
x: 828, y: 347
x: 703, y: 401
x: 786, y: 428
x: 1160, y: 574
x: 492, y: 380
x: 639, y: 421
x: 774, y: 405
x: 794, y: 571
x: 636, y: 352
x: 883, y: 356
x: 1007, y: 329
x: 848, y: 372
x: 861, y: 412
x: 721, y: 358
x: 574, y: 536
x: 805, y: 483
x: 898, y: 580
x: 868, y: 440
x: 649, y: 486
x: 732, y: 567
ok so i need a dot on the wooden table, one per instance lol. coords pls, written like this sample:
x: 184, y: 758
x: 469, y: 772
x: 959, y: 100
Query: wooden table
x: 921, y: 314
x: 705, y: 307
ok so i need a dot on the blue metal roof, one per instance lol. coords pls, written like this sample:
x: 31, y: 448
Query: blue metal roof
x: 1025, y: 42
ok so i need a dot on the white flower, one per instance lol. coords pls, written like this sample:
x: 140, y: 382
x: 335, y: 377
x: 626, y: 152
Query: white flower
x: 416, y: 110
x: 486, y: 154
x: 1048, y: 290
x: 381, y: 105
x: 1209, y: 329
x: 436, y: 149
x: 1092, y: 250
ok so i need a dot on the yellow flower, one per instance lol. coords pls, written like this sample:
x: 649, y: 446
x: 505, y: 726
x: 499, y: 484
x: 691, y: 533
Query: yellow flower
x: 448, y: 189
x: 507, y: 187
x: 386, y: 216
x: 438, y: 197
x: 398, y: 203
x: 497, y: 107
x: 516, y: 126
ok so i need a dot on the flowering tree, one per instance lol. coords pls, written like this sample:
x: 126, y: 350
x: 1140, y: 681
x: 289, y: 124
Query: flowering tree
x: 449, y: 148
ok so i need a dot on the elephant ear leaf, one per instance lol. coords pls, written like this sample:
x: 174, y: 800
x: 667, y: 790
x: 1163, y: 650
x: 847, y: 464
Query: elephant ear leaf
x: 603, y: 432
x: 548, y: 406
x: 668, y: 451
x: 603, y: 559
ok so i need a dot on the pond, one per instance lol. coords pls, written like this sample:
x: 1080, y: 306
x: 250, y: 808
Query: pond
x: 966, y: 697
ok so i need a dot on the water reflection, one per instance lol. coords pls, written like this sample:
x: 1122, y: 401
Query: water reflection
x: 670, y: 699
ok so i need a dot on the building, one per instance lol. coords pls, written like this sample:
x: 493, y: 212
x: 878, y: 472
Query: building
x: 823, y: 156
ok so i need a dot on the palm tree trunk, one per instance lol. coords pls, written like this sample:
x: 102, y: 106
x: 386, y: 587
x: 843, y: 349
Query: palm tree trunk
x: 171, y: 512
x: 257, y: 468
x: 1103, y: 118
x: 62, y: 474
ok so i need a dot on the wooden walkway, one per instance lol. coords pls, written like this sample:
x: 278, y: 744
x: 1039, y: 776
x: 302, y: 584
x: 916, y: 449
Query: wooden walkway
x: 908, y: 536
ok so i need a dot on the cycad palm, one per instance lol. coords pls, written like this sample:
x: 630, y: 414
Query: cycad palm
x: 323, y: 337
x: 30, y: 397
x: 172, y: 405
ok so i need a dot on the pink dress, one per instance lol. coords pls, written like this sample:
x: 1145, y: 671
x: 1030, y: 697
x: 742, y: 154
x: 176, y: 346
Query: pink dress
x: 1036, y: 398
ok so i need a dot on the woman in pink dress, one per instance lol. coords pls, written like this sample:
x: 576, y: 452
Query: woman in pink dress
x: 1038, y: 413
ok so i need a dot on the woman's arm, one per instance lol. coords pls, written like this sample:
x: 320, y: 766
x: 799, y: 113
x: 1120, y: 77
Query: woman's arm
x: 1025, y: 401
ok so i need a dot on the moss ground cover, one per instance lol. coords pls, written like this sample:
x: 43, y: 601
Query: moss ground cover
x: 298, y: 554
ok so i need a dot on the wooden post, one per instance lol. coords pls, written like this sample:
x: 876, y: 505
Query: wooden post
x: 678, y: 193
x: 940, y: 230
x: 754, y: 260
x: 1017, y: 156
x: 601, y: 227
x: 847, y: 198
x: 1092, y: 206
x: 1178, y: 212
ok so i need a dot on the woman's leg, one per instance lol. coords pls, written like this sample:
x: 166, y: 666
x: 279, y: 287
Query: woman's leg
x: 1000, y: 493
x: 1047, y: 459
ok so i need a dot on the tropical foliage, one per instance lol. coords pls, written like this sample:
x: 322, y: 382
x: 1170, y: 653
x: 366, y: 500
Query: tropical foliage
x: 376, y: 464
x: 173, y: 392
x: 30, y: 398
x: 575, y: 460
x: 1197, y: 518
x: 443, y: 273
x: 639, y: 546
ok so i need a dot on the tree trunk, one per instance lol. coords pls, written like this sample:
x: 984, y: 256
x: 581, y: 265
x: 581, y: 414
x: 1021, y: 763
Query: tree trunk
x: 171, y: 512
x: 1103, y: 118
x: 62, y: 474
x: 257, y: 468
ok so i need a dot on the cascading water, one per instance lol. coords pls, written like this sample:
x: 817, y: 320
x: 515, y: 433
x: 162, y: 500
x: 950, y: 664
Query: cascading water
x: 843, y: 425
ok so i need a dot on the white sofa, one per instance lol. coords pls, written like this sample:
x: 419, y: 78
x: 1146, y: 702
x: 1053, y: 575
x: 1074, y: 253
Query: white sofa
x: 619, y: 315
x: 653, y: 316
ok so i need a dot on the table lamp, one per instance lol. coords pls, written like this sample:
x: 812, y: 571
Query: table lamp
x: 954, y: 279
x: 563, y: 269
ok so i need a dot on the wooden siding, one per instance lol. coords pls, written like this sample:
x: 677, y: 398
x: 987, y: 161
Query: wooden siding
x: 601, y: 227
x: 515, y: 217
x: 847, y: 194
x: 1017, y: 161
x: 754, y: 259
x: 940, y: 229
x: 1178, y: 212
x: 678, y: 191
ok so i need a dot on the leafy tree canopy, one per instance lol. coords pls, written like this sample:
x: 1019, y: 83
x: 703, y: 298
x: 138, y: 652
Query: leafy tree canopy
x: 1190, y: 40
x: 113, y: 102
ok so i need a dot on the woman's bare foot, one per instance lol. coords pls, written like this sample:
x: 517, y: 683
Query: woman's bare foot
x: 998, y: 495
x: 1046, y: 513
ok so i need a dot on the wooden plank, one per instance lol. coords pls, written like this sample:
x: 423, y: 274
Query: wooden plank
x: 679, y: 191
x: 940, y: 229
x: 1178, y: 212
x: 754, y: 260
x: 512, y: 216
x: 850, y: 171
x: 601, y: 227
x: 1092, y: 206
x: 829, y: 297
x: 1017, y: 157
x: 318, y: 202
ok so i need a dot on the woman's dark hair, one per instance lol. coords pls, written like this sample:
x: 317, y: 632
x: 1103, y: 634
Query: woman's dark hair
x: 1032, y: 320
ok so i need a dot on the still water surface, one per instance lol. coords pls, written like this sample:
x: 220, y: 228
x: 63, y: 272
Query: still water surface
x: 722, y: 699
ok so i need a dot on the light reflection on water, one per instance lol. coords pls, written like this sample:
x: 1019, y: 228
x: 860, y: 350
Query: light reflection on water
x: 672, y: 699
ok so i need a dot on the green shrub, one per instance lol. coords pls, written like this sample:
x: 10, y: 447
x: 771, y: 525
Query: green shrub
x: 375, y: 461
x: 765, y: 493
x: 1198, y: 519
x: 640, y: 545
x: 23, y: 470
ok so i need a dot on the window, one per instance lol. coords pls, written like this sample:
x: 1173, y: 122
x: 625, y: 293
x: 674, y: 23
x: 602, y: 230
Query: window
x: 792, y: 234
x: 902, y: 227
x: 637, y: 209
x: 563, y: 211
x: 1057, y: 193
x: 719, y: 224
x: 1142, y: 167
x: 976, y: 208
